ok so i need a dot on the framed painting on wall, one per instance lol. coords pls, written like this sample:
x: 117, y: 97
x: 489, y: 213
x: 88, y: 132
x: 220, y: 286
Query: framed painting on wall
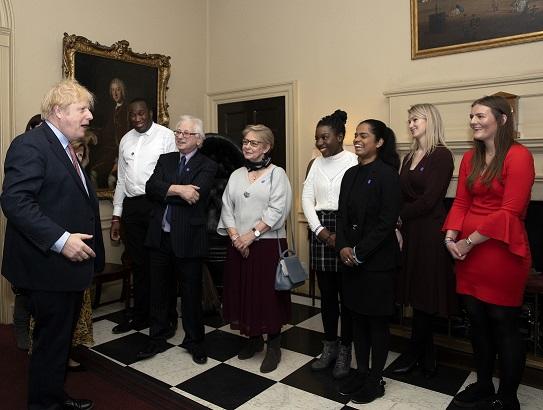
x: 115, y: 75
x: 441, y: 27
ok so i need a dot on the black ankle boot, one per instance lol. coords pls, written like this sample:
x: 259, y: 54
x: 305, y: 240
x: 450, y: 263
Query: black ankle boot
x: 254, y: 345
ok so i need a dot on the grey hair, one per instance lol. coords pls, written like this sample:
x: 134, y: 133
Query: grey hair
x: 197, y: 123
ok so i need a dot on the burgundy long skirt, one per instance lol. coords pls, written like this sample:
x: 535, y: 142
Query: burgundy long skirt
x: 250, y: 302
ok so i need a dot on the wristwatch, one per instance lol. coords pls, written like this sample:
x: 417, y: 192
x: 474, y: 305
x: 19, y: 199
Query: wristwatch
x: 257, y: 233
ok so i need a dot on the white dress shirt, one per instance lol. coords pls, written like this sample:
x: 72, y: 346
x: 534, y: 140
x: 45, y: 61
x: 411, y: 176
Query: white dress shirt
x: 138, y: 155
x: 322, y: 186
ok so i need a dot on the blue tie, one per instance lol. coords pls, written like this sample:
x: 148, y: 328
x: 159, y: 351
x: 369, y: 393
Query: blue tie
x: 180, y: 170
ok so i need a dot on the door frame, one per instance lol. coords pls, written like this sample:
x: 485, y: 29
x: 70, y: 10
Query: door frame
x: 288, y: 90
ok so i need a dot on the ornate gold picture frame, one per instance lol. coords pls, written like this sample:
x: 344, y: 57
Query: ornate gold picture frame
x: 115, y: 75
x: 441, y: 27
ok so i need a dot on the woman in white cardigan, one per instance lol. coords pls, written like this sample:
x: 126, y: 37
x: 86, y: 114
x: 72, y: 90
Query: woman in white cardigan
x: 320, y: 203
x: 256, y: 203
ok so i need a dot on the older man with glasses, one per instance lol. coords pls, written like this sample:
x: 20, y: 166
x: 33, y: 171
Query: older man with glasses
x: 177, y: 237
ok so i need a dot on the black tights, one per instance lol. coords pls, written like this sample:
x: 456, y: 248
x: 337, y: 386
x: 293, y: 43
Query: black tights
x: 371, y: 333
x: 422, y: 338
x: 330, y: 289
x: 495, y: 329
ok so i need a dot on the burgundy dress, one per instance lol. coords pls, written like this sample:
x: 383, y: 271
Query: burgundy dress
x: 426, y: 280
x: 495, y: 271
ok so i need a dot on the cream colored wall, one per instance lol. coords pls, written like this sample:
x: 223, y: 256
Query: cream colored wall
x: 172, y: 27
x: 342, y: 54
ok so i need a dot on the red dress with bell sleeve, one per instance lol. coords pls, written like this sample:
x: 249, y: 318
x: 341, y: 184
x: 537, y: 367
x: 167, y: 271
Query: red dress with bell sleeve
x: 494, y: 271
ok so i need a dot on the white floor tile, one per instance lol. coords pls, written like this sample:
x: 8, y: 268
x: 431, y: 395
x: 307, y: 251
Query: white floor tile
x: 196, y: 399
x: 290, y: 362
x: 102, y: 332
x: 403, y: 396
x: 304, y: 300
x: 173, y: 366
x: 313, y: 323
x: 107, y: 309
x: 281, y: 396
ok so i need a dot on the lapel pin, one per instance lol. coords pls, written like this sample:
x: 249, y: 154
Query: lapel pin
x: 246, y: 194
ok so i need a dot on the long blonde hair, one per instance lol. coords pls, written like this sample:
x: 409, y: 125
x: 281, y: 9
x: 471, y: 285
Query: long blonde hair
x: 434, y: 127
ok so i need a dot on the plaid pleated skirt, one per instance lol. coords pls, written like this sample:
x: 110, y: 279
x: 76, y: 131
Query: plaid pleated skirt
x: 322, y: 257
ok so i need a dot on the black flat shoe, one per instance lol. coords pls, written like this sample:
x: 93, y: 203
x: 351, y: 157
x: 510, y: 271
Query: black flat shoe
x: 152, y: 349
x: 405, y: 364
x: 77, y: 404
x: 123, y: 327
x: 199, y: 355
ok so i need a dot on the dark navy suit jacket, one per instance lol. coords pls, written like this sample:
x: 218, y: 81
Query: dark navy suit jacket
x: 42, y: 198
x: 188, y: 228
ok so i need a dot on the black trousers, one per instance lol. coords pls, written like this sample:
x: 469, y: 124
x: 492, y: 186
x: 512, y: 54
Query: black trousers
x: 495, y: 329
x: 135, y: 222
x: 330, y: 289
x: 187, y: 272
x: 371, y: 334
x: 55, y: 315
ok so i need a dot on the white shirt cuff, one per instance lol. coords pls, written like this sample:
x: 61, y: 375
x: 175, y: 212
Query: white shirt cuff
x: 59, y: 244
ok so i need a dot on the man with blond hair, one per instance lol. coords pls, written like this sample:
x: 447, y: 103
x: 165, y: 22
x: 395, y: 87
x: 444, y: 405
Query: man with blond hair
x: 53, y: 242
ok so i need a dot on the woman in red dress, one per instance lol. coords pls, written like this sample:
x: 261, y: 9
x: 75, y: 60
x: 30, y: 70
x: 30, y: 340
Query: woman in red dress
x: 487, y: 237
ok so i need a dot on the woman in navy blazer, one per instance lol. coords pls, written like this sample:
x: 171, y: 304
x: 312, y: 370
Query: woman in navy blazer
x: 369, y: 205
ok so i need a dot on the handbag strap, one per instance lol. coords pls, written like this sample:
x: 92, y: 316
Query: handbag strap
x: 289, y: 223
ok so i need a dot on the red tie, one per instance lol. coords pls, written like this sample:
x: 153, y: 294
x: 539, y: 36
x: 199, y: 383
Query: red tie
x: 75, y: 163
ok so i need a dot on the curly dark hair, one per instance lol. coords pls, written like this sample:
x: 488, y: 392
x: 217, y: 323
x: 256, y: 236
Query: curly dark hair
x: 336, y: 121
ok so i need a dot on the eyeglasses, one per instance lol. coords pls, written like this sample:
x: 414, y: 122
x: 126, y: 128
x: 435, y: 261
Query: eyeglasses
x: 177, y: 133
x: 252, y: 143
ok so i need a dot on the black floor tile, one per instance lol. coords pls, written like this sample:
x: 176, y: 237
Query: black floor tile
x: 124, y: 349
x: 302, y: 312
x: 222, y: 346
x: 321, y: 383
x: 308, y: 342
x: 448, y: 380
x: 214, y: 320
x: 226, y: 386
x: 116, y: 317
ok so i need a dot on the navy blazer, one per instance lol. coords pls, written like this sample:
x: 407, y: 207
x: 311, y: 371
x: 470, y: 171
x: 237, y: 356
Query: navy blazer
x: 188, y: 222
x: 371, y: 228
x: 43, y: 196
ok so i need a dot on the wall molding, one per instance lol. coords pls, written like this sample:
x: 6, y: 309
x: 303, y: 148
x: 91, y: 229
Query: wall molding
x: 7, y: 131
x: 454, y: 102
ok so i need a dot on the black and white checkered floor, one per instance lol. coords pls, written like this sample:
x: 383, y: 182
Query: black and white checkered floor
x: 228, y: 383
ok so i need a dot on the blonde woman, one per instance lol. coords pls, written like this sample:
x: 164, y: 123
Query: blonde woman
x: 426, y: 281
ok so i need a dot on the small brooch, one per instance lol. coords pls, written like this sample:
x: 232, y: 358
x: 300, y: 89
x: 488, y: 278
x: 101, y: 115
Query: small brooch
x: 421, y: 169
x: 246, y: 194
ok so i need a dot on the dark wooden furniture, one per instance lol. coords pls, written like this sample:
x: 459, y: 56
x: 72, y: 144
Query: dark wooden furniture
x: 534, y: 285
x: 111, y: 272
